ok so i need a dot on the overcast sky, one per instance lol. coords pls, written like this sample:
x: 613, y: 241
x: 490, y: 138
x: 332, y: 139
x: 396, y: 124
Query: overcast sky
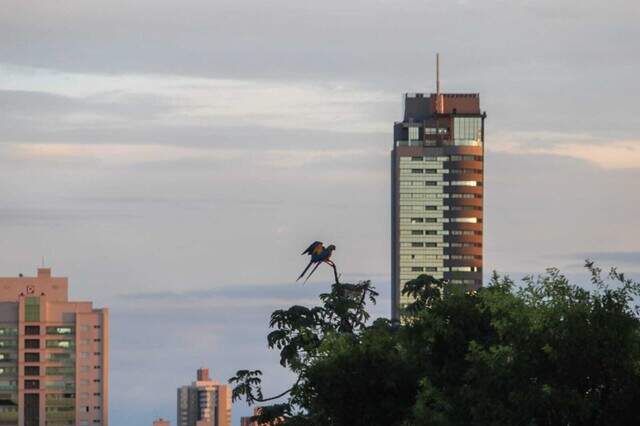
x: 173, y: 158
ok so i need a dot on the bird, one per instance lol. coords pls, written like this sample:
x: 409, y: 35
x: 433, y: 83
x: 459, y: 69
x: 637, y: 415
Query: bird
x: 319, y: 254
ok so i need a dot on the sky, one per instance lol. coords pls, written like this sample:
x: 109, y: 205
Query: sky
x: 174, y: 158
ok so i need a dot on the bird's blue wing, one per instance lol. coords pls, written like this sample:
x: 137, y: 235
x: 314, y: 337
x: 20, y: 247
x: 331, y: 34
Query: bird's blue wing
x: 313, y: 248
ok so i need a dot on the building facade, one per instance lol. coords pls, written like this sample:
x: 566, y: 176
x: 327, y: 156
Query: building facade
x: 437, y: 168
x: 161, y: 422
x: 54, y: 368
x: 204, y: 403
x: 248, y: 420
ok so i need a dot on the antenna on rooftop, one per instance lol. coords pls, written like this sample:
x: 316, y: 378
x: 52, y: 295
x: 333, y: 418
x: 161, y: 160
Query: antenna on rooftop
x: 438, y: 74
x: 439, y: 101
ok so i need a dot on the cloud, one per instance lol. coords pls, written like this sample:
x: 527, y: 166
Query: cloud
x: 228, y: 298
x: 172, y: 100
x: 602, y: 152
x: 612, y: 155
x: 36, y: 216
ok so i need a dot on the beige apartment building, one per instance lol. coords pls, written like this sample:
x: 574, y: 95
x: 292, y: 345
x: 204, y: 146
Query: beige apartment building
x: 205, y: 402
x: 53, y: 355
x: 161, y: 422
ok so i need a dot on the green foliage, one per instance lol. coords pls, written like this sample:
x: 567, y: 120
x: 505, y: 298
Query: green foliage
x: 302, y: 335
x: 546, y: 352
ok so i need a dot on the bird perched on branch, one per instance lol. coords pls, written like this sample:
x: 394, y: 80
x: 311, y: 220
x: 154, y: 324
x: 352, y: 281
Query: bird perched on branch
x: 319, y: 254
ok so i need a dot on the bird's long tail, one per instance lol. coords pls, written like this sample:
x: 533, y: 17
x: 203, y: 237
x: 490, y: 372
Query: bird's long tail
x: 312, y: 271
x: 305, y: 270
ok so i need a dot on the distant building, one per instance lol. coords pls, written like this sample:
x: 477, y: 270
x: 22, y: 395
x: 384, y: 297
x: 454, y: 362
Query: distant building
x: 54, y: 367
x: 204, y: 403
x: 437, y: 168
x: 247, y: 420
x: 161, y: 422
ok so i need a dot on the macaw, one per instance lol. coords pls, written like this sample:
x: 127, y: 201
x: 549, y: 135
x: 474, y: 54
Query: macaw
x: 319, y: 254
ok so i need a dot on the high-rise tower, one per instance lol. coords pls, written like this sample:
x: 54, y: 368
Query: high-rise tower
x: 204, y: 403
x: 54, y: 366
x: 437, y: 168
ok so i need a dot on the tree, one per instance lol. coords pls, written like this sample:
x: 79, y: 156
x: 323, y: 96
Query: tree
x: 544, y: 353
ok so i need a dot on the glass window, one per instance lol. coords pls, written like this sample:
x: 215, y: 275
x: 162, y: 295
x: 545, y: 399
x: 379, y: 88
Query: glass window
x: 32, y: 309
x: 460, y: 269
x: 465, y: 219
x: 62, y: 344
x: 65, y: 358
x: 8, y: 371
x: 8, y: 384
x: 32, y: 343
x: 59, y: 330
x: 467, y: 131
x: 60, y: 371
x: 30, y: 370
x: 32, y: 357
x: 414, y: 133
x: 32, y: 329
x: 8, y: 343
x: 8, y: 331
x: 31, y: 384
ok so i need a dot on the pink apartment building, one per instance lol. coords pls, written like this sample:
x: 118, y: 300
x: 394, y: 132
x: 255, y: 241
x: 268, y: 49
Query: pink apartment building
x: 53, y: 355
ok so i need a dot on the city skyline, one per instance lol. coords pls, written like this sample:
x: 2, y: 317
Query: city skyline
x: 146, y: 149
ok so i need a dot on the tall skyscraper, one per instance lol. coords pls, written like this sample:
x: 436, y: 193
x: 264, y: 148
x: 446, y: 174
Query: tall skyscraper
x: 437, y: 168
x: 204, y: 403
x: 53, y: 355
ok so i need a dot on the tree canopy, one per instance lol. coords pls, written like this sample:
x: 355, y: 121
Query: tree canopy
x: 546, y: 352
